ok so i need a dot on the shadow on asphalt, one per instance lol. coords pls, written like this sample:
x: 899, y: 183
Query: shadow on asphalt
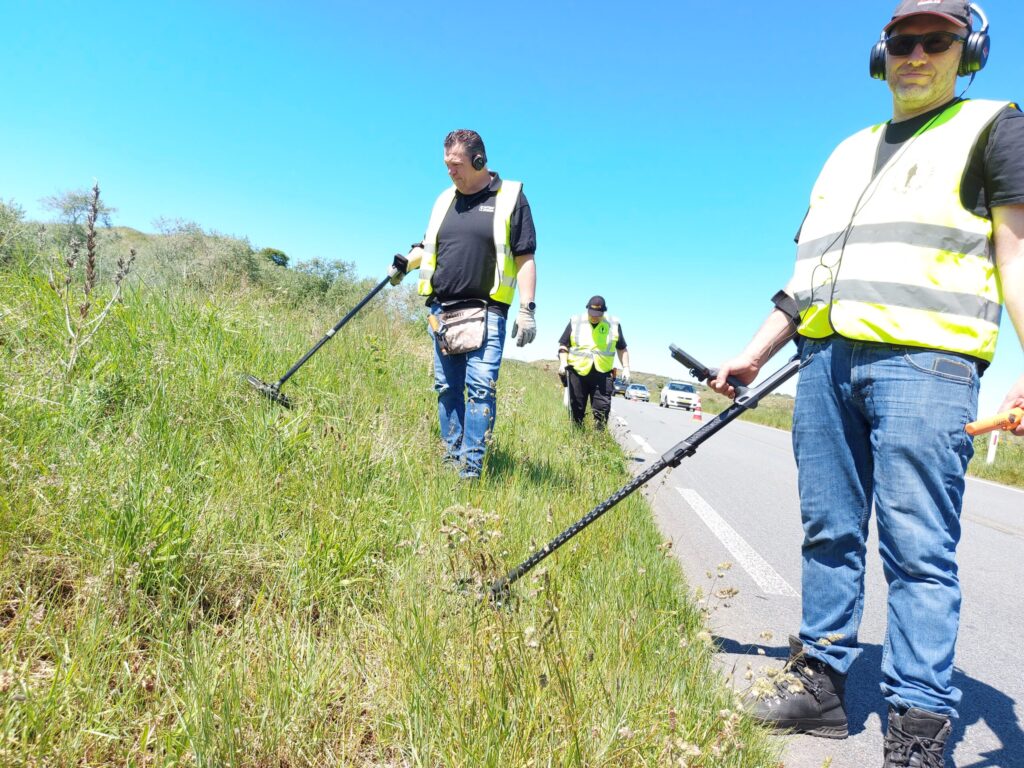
x: 981, y: 702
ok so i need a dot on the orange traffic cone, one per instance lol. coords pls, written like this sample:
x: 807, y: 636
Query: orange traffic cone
x: 697, y: 416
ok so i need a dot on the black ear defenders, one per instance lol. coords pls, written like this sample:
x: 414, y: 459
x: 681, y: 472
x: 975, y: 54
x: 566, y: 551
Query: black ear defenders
x: 976, y: 47
x: 479, y: 161
x: 972, y: 58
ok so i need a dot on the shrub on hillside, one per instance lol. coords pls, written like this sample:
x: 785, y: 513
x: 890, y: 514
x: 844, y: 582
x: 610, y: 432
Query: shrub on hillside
x: 184, y: 255
x: 13, y: 229
x: 187, y: 255
x: 280, y: 258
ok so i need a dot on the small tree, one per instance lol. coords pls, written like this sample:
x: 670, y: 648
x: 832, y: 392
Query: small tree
x: 79, y: 325
x: 75, y: 206
x: 73, y: 209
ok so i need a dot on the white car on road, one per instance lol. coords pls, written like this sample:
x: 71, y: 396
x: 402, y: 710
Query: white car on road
x: 679, y: 394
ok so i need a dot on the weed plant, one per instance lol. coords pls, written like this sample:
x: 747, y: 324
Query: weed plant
x: 192, y: 575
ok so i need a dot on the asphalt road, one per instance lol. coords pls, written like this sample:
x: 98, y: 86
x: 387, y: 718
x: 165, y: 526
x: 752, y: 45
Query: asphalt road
x: 732, y: 514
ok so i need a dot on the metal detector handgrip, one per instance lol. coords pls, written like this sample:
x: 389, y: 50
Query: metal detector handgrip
x: 670, y: 458
x: 702, y: 373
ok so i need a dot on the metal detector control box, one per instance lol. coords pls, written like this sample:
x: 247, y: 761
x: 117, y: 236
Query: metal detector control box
x: 704, y: 374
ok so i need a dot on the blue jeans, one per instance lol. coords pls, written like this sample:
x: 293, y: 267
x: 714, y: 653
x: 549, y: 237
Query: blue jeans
x: 467, y: 422
x: 885, y: 425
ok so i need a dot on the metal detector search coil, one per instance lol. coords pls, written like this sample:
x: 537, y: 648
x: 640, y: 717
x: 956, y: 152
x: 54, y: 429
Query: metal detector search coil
x: 273, y: 391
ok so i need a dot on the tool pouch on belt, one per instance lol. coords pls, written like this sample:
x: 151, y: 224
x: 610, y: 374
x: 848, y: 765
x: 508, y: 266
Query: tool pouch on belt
x: 465, y: 323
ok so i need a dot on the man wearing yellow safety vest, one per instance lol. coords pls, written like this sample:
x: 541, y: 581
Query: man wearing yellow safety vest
x: 479, y: 243
x: 586, y: 353
x: 913, y: 240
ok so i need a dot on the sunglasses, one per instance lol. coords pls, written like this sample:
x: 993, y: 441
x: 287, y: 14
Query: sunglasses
x: 931, y: 42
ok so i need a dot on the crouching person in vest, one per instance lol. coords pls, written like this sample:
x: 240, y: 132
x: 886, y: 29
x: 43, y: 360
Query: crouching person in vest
x: 586, y: 353
x: 913, y: 239
x: 479, y: 243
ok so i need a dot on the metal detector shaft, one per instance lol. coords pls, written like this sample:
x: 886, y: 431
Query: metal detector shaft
x: 337, y: 327
x: 670, y: 458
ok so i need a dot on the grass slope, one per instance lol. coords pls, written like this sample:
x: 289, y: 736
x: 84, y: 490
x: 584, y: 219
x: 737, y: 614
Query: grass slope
x: 190, y: 575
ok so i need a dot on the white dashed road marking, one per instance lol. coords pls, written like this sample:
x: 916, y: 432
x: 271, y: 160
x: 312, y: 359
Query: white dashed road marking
x: 766, y: 577
x: 644, y: 444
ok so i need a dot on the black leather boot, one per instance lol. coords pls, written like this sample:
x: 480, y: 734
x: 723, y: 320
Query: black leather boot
x: 916, y: 739
x: 807, y: 698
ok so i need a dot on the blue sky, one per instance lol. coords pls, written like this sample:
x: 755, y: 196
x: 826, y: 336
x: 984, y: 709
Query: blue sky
x: 667, y: 149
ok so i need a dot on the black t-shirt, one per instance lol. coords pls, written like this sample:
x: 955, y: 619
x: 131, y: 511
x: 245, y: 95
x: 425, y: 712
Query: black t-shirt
x: 567, y: 335
x: 465, y: 245
x: 995, y: 172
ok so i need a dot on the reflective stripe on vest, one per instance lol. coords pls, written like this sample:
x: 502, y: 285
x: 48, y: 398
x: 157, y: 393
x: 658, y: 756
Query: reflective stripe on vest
x: 593, y: 345
x: 504, y: 288
x: 896, y: 258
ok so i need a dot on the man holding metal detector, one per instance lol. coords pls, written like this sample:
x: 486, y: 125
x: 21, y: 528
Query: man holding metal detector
x: 914, y: 235
x: 586, y: 357
x: 480, y: 242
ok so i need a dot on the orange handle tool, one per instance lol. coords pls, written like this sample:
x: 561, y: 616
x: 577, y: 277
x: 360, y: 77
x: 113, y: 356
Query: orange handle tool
x: 1006, y: 420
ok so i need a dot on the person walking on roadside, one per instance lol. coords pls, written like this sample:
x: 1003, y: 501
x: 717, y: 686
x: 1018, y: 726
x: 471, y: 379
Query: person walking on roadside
x: 913, y: 240
x: 586, y: 355
x: 480, y: 242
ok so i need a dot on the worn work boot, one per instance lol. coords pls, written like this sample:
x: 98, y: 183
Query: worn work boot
x: 807, y: 697
x: 916, y: 739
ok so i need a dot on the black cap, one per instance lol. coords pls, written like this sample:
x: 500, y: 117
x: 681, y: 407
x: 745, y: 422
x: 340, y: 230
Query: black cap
x: 597, y: 304
x: 956, y: 11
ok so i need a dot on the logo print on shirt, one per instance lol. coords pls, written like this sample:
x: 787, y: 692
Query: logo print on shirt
x: 487, y: 209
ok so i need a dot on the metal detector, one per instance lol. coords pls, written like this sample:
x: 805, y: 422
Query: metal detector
x: 746, y: 399
x: 273, y: 391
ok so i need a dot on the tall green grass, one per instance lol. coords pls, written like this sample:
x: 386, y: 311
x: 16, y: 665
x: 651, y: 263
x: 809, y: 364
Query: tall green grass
x: 192, y: 575
x: 1008, y: 466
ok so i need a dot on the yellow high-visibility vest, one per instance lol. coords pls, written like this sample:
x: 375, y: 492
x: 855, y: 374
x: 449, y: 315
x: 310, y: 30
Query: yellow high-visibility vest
x: 593, y: 345
x: 504, y: 287
x: 896, y: 258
